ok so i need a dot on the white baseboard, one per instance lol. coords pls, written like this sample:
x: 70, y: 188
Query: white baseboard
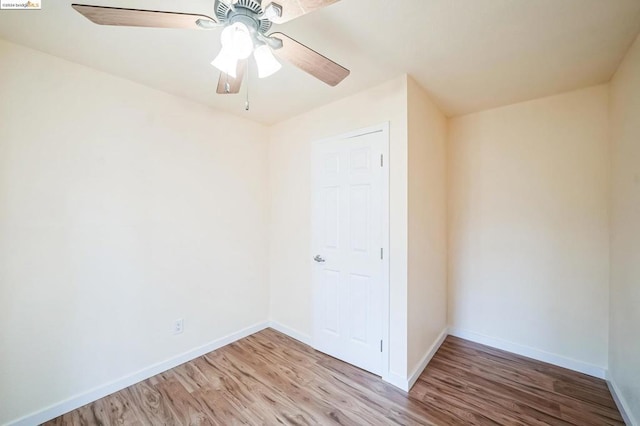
x: 548, y: 357
x: 621, y: 402
x: 413, y: 377
x: 94, y: 394
x: 294, y: 334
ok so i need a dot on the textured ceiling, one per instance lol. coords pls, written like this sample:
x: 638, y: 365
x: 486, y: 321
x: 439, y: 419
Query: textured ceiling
x: 468, y: 54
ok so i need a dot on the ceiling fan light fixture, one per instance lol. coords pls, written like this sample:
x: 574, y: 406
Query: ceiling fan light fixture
x: 226, y: 62
x: 237, y: 38
x: 266, y: 62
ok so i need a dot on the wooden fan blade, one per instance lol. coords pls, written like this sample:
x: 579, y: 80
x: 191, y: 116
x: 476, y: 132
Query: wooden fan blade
x: 142, y: 18
x: 310, y: 61
x: 291, y: 9
x: 228, y: 85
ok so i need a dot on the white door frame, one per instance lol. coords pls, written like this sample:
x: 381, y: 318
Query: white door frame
x: 384, y: 128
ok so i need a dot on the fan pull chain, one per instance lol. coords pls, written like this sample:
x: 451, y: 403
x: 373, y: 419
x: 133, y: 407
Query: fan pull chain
x: 246, y: 104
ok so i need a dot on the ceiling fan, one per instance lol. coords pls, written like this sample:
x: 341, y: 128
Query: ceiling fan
x: 245, y: 25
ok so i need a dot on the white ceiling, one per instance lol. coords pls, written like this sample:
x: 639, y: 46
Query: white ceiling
x: 469, y: 55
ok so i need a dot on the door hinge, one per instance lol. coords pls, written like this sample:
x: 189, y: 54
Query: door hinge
x: 381, y: 253
x: 381, y: 160
x: 380, y: 345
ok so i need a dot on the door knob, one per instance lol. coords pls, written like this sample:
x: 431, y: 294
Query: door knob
x: 318, y: 258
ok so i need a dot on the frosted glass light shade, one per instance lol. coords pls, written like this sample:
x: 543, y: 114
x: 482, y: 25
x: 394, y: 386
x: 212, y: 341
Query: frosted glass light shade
x: 226, y: 62
x: 267, y: 63
x: 237, y: 39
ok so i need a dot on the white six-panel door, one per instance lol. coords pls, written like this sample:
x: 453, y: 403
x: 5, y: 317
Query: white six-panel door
x: 348, y: 240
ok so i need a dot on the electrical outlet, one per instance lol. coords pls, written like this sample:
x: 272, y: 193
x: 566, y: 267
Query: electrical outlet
x: 178, y: 326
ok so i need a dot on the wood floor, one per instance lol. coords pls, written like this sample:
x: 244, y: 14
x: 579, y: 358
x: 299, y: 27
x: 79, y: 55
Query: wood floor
x: 271, y: 379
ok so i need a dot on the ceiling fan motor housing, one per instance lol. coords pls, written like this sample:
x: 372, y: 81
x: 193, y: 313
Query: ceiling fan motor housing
x: 247, y: 12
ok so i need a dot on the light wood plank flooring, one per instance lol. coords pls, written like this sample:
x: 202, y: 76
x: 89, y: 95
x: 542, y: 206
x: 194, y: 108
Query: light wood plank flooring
x: 271, y: 379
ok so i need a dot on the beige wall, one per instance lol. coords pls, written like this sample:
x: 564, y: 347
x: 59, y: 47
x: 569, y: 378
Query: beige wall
x: 121, y: 210
x: 427, y: 236
x: 528, y: 235
x: 290, y: 177
x: 624, y: 348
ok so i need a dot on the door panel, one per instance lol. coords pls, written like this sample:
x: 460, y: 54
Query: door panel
x: 359, y: 287
x: 359, y: 227
x: 331, y: 217
x: 331, y: 318
x: 347, y: 229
